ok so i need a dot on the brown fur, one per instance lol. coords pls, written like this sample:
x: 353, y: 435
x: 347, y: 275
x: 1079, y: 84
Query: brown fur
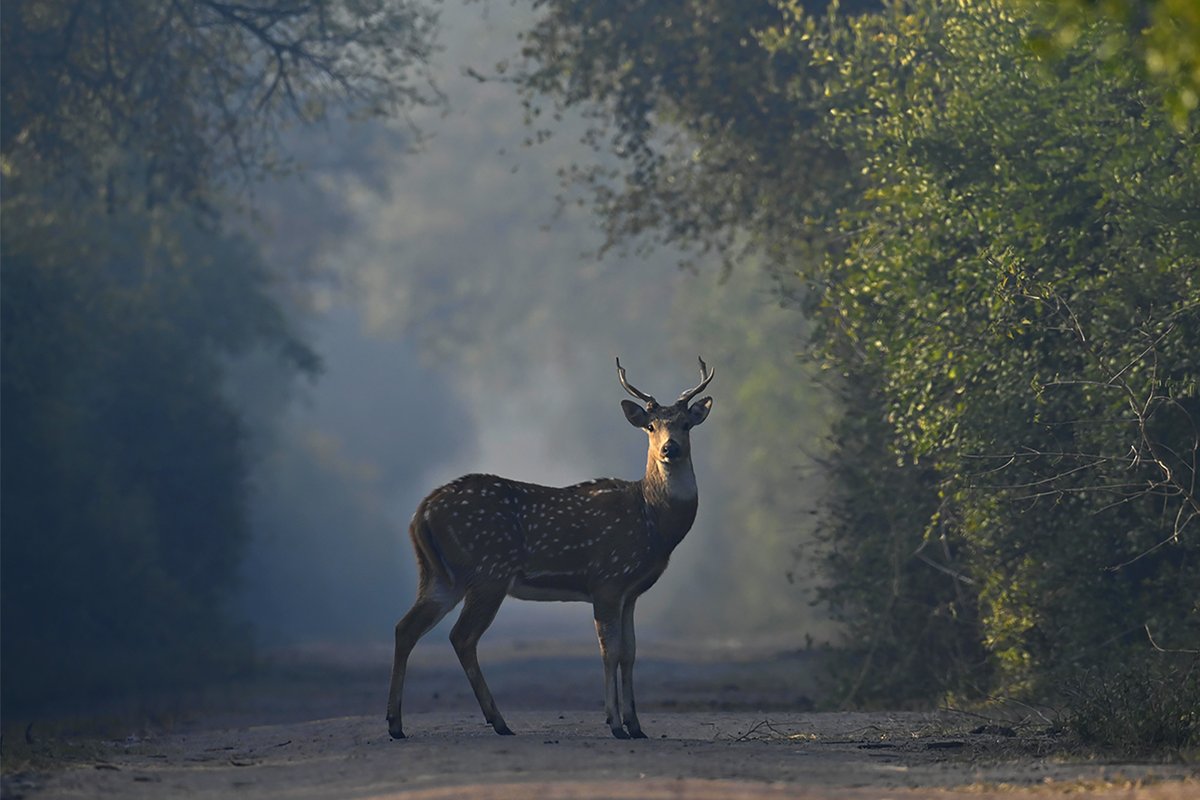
x: 481, y: 538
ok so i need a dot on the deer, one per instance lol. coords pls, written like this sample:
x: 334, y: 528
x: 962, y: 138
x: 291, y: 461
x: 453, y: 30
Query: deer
x: 482, y: 538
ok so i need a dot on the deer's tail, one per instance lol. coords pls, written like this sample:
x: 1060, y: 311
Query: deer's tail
x: 430, y: 559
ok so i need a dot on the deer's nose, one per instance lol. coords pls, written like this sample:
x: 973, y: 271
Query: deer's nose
x: 671, y: 449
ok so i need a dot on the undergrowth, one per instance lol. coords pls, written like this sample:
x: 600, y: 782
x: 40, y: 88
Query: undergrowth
x: 1146, y: 707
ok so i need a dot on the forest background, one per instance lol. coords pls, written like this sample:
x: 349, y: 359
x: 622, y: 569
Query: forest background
x: 945, y: 256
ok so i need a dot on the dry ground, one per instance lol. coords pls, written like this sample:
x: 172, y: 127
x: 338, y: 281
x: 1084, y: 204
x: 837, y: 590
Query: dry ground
x: 723, y: 724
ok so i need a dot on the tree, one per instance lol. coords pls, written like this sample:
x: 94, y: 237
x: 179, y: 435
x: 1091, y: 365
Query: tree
x: 175, y: 98
x: 1027, y: 295
x: 999, y: 255
x: 1163, y: 34
x: 124, y: 464
x: 710, y: 138
x: 124, y: 300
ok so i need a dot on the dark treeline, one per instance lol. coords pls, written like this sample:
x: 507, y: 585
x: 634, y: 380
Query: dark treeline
x: 990, y: 211
x: 128, y: 130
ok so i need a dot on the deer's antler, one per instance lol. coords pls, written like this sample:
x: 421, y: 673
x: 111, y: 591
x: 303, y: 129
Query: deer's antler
x: 706, y: 375
x: 650, y: 401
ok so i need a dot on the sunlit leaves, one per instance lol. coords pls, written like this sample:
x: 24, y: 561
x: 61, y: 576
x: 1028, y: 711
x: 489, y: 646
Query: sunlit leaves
x: 1015, y: 279
x: 1164, y: 33
x: 999, y: 252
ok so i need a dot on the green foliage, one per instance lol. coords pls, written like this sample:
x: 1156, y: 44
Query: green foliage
x: 124, y: 466
x: 1000, y: 255
x: 174, y: 98
x: 1151, y: 704
x: 710, y: 140
x: 1165, y: 34
x: 124, y: 302
x: 1021, y: 271
x: 909, y: 614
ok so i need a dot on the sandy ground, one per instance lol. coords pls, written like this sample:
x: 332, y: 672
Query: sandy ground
x: 722, y: 724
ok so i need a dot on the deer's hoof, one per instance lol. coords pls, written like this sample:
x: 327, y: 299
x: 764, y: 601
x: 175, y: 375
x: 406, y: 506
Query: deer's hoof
x: 636, y: 733
x: 620, y: 733
x: 395, y: 730
x: 503, y: 730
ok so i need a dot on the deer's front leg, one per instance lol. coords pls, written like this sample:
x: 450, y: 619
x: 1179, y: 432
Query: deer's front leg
x: 628, y: 654
x: 608, y: 618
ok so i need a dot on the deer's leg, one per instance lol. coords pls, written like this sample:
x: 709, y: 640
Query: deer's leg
x: 628, y: 654
x: 607, y: 614
x: 427, y: 611
x: 479, y: 609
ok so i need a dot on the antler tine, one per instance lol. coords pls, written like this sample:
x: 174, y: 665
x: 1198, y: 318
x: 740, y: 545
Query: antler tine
x: 650, y: 401
x: 706, y: 375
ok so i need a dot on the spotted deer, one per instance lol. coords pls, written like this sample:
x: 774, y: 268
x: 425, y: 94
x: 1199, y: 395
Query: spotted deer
x: 481, y: 538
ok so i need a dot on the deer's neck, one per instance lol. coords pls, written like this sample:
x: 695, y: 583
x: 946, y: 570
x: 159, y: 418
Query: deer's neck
x: 671, y: 498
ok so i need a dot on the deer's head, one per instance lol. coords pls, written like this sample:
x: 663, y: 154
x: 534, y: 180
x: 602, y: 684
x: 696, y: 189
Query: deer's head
x: 669, y: 427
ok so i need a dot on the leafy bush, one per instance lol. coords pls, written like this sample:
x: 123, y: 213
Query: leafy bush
x: 123, y: 302
x: 1000, y: 254
x: 1147, y: 705
x: 1020, y: 274
x: 124, y: 463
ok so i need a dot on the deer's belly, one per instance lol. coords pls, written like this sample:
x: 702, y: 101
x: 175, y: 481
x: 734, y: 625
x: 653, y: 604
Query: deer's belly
x: 549, y: 586
x: 576, y: 585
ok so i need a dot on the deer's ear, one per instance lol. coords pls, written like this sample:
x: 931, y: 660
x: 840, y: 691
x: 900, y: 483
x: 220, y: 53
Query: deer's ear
x: 699, y: 411
x: 636, y: 415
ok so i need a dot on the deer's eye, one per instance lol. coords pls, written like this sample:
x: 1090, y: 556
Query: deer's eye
x: 650, y: 426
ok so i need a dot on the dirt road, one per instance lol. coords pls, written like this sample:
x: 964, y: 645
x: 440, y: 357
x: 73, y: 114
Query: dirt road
x: 720, y: 727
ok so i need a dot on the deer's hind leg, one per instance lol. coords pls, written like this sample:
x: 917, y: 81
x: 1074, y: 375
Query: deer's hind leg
x: 434, y: 601
x: 479, y: 609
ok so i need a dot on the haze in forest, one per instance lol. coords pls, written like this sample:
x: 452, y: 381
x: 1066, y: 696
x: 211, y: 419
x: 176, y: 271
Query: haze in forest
x: 467, y: 323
